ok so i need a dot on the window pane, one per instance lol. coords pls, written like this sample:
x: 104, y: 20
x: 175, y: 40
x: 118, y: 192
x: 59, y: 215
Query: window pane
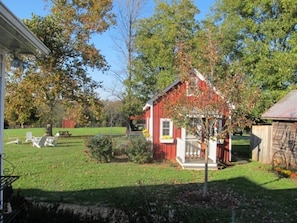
x: 166, y: 128
x: 165, y: 132
x: 166, y: 124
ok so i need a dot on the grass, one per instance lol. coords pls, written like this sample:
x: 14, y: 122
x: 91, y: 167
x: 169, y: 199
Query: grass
x: 241, y: 146
x: 64, y: 173
x: 74, y: 131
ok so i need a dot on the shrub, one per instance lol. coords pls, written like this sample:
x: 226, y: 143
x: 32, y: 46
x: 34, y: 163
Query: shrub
x: 120, y: 146
x: 99, y: 147
x: 139, y: 150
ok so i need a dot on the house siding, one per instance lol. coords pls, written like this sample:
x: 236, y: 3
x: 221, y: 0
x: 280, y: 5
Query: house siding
x: 284, y: 143
x: 281, y: 139
x: 223, y: 152
x: 275, y: 144
x: 163, y: 151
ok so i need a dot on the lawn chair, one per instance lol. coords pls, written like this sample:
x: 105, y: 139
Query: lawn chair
x: 29, y: 137
x: 39, y: 141
x: 52, y: 140
x: 13, y: 140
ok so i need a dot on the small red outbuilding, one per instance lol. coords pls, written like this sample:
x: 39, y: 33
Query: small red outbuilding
x: 170, y: 142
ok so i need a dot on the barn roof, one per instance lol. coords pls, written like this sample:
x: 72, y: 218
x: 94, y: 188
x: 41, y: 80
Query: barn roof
x: 285, y: 109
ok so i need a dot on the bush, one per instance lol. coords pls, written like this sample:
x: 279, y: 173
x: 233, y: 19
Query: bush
x: 120, y: 146
x: 100, y: 148
x: 139, y: 150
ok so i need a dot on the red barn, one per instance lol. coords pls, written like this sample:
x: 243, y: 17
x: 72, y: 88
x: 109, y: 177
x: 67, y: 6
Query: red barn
x: 68, y: 123
x: 172, y: 143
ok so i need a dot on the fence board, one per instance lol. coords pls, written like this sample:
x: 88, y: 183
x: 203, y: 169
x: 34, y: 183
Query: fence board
x: 260, y: 144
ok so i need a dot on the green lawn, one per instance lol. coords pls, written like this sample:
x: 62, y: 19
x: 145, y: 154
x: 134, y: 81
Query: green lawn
x: 64, y: 173
x: 74, y: 131
x: 241, y: 146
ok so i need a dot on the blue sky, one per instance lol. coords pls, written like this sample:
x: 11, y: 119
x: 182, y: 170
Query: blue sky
x: 24, y: 8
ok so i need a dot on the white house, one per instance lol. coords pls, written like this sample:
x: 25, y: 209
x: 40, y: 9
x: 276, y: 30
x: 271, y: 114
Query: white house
x: 15, y: 37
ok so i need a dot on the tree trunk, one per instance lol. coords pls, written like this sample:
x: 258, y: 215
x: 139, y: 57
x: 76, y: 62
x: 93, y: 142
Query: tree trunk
x: 49, y: 130
x: 205, y: 188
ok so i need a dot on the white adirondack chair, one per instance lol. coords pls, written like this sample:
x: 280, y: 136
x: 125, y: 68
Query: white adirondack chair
x: 39, y: 141
x: 29, y: 136
x: 52, y: 140
x: 13, y: 140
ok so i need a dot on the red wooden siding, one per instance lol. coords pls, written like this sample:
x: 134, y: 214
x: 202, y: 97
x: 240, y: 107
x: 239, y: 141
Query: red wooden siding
x: 223, y: 152
x: 162, y: 151
x: 67, y: 123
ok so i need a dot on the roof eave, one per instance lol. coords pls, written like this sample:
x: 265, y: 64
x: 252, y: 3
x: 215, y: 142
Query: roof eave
x: 279, y: 118
x: 148, y: 104
x: 18, y: 36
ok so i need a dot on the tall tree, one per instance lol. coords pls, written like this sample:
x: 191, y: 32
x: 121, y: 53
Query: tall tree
x: 127, y: 14
x: 18, y: 100
x: 156, y: 42
x: 262, y: 36
x: 62, y: 76
x: 227, y: 92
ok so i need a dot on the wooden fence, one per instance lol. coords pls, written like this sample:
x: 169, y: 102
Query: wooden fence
x: 261, y: 143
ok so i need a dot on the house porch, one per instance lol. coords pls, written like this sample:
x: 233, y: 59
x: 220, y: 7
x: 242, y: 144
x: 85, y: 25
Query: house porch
x: 189, y: 156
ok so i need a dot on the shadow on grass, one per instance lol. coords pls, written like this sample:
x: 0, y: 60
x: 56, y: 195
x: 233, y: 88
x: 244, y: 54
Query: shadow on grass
x: 238, y: 197
x: 241, y: 152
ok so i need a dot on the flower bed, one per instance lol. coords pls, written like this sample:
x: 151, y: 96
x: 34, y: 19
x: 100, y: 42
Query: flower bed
x: 284, y: 172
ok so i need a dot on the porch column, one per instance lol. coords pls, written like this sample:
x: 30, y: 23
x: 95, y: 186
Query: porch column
x: 2, y: 82
x: 181, y: 150
x: 212, y: 152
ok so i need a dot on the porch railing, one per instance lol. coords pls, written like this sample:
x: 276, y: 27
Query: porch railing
x: 187, y: 149
x: 193, y: 149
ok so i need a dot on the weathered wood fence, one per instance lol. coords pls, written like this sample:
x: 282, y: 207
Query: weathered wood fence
x: 261, y: 141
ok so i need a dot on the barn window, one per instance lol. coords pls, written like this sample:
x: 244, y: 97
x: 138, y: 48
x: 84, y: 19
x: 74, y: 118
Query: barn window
x: 166, y: 130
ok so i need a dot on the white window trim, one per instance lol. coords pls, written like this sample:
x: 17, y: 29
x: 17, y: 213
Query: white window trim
x: 170, y: 139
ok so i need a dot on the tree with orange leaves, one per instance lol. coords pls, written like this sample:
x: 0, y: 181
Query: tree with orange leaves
x: 218, y: 103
